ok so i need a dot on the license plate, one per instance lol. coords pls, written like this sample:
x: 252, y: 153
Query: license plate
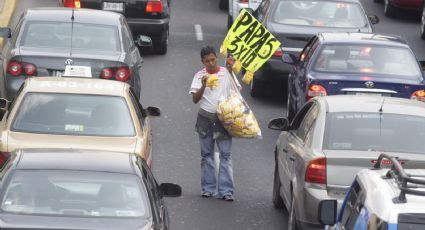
x: 77, y: 71
x: 113, y: 6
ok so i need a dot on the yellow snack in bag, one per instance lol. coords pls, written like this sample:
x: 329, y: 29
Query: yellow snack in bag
x: 247, y: 78
x: 223, y: 51
x: 212, y: 81
x: 237, y: 66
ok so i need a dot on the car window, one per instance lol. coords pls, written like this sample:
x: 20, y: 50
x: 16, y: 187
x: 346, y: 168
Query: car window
x: 262, y: 10
x: 374, y: 131
x: 74, y: 114
x: 138, y: 107
x: 75, y: 193
x: 310, y: 51
x: 57, y: 35
x: 391, y: 61
x: 307, y: 122
x: 352, y: 206
x: 319, y: 14
x: 306, y: 49
x: 299, y: 117
x: 127, y: 34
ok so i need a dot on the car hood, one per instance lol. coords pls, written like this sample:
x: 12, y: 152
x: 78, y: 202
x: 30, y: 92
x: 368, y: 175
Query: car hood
x: 17, y: 140
x: 13, y: 221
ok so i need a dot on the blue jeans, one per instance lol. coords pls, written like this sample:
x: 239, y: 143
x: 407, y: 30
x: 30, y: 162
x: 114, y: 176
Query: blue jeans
x: 225, y: 174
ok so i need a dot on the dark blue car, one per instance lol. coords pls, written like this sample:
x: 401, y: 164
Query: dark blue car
x: 353, y: 63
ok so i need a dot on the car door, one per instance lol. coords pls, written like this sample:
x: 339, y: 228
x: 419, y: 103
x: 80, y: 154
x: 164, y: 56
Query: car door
x: 290, y: 145
x: 146, y: 143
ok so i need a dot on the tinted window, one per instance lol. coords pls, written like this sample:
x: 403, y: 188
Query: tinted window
x: 307, y: 122
x: 75, y: 193
x: 319, y: 14
x: 85, y: 37
x: 372, y: 131
x: 73, y: 114
x: 368, y: 59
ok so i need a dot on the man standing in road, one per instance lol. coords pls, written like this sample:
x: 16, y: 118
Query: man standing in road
x: 211, y: 130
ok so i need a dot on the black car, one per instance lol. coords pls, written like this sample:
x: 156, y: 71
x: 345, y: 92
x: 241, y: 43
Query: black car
x: 47, y: 39
x: 147, y: 17
x: 81, y: 189
x: 355, y: 64
x: 294, y: 22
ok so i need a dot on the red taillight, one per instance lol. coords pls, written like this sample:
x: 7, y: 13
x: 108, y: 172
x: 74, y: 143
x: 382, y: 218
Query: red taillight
x: 316, y: 171
x: 4, y: 156
x: 14, y: 68
x: 106, y: 73
x: 278, y: 52
x: 30, y: 69
x: 418, y: 95
x: 122, y: 74
x: 243, y: 1
x: 387, y: 162
x: 72, y: 3
x: 315, y: 90
x: 154, y: 6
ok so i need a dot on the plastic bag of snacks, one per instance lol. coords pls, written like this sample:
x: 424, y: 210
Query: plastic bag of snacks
x: 234, y: 113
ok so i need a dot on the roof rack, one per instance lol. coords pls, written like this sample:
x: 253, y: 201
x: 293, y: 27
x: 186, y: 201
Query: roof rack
x: 406, y: 182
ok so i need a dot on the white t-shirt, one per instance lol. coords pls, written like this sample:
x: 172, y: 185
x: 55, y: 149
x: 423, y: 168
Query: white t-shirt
x: 209, y: 100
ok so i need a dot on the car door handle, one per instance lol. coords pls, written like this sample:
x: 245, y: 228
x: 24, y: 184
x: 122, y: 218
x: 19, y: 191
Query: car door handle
x: 292, y: 158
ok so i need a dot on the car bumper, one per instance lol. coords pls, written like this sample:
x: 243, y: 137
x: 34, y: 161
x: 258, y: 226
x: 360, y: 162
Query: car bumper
x: 155, y: 28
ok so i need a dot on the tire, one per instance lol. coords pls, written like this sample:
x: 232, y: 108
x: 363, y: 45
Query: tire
x: 224, y: 4
x: 389, y: 10
x: 290, y: 113
x: 258, y: 88
x: 292, y: 218
x: 277, y: 199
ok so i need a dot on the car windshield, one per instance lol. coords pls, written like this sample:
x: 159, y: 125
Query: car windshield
x: 387, y: 60
x: 374, y: 132
x: 319, y: 14
x: 75, y: 193
x: 74, y: 114
x: 57, y: 35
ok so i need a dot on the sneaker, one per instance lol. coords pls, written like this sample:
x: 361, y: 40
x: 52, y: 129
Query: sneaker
x: 228, y: 198
x: 206, y: 194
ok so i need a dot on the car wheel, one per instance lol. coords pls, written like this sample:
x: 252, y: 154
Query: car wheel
x: 229, y: 21
x: 224, y: 4
x: 389, y: 10
x: 257, y: 87
x: 277, y: 199
x: 292, y: 218
x: 290, y: 113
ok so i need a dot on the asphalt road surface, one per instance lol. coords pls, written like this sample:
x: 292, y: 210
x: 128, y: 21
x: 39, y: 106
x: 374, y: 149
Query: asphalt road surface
x: 165, y: 84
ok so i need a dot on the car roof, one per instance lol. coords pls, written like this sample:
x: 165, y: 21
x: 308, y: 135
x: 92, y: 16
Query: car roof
x: 371, y: 104
x: 75, y: 85
x: 74, y: 159
x: 63, y: 14
x: 381, y: 192
x: 362, y: 38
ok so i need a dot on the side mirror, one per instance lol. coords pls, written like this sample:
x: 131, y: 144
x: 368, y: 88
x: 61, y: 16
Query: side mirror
x: 143, y: 41
x: 281, y: 124
x: 5, y: 32
x: 327, y: 212
x: 4, y: 104
x: 170, y: 190
x: 373, y: 19
x: 289, y: 59
x: 153, y: 111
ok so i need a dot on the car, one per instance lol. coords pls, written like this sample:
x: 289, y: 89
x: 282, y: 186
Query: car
x: 392, y: 7
x: 148, y: 17
x: 223, y: 4
x: 380, y: 198
x: 235, y: 6
x: 81, y: 189
x: 48, y: 39
x: 354, y: 63
x: 331, y: 139
x: 294, y: 23
x: 77, y: 113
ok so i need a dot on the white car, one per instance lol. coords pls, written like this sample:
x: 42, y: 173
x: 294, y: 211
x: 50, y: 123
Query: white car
x: 235, y: 6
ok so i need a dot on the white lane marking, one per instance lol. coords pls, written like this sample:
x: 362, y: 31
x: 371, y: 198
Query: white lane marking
x: 198, y: 30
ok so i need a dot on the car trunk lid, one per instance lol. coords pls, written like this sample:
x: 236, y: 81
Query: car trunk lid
x: 129, y: 8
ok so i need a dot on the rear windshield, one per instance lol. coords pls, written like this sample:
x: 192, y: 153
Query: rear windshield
x: 319, y: 14
x: 411, y: 221
x: 387, y: 60
x: 73, y: 114
x: 58, y: 35
x: 372, y: 131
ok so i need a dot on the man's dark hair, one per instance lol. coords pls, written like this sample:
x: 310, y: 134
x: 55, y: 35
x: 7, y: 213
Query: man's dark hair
x: 207, y: 50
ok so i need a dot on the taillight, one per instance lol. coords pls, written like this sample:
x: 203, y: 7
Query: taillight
x: 72, y: 3
x: 14, y: 68
x: 4, y: 156
x: 278, y: 52
x: 418, y: 95
x: 243, y: 1
x: 154, y: 6
x: 315, y: 90
x: 122, y: 74
x: 316, y: 171
x: 30, y: 69
x: 106, y: 73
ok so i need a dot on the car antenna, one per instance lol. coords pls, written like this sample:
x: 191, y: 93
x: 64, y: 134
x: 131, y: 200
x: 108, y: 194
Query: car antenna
x: 380, y: 116
x: 72, y: 31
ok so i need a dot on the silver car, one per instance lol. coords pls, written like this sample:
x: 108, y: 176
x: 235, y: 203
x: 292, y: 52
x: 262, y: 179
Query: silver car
x: 331, y: 139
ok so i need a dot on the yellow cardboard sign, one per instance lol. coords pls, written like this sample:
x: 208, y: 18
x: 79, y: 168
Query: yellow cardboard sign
x: 250, y: 42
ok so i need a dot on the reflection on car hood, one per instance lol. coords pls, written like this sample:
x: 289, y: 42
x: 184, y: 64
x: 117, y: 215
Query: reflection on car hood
x: 65, y: 53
